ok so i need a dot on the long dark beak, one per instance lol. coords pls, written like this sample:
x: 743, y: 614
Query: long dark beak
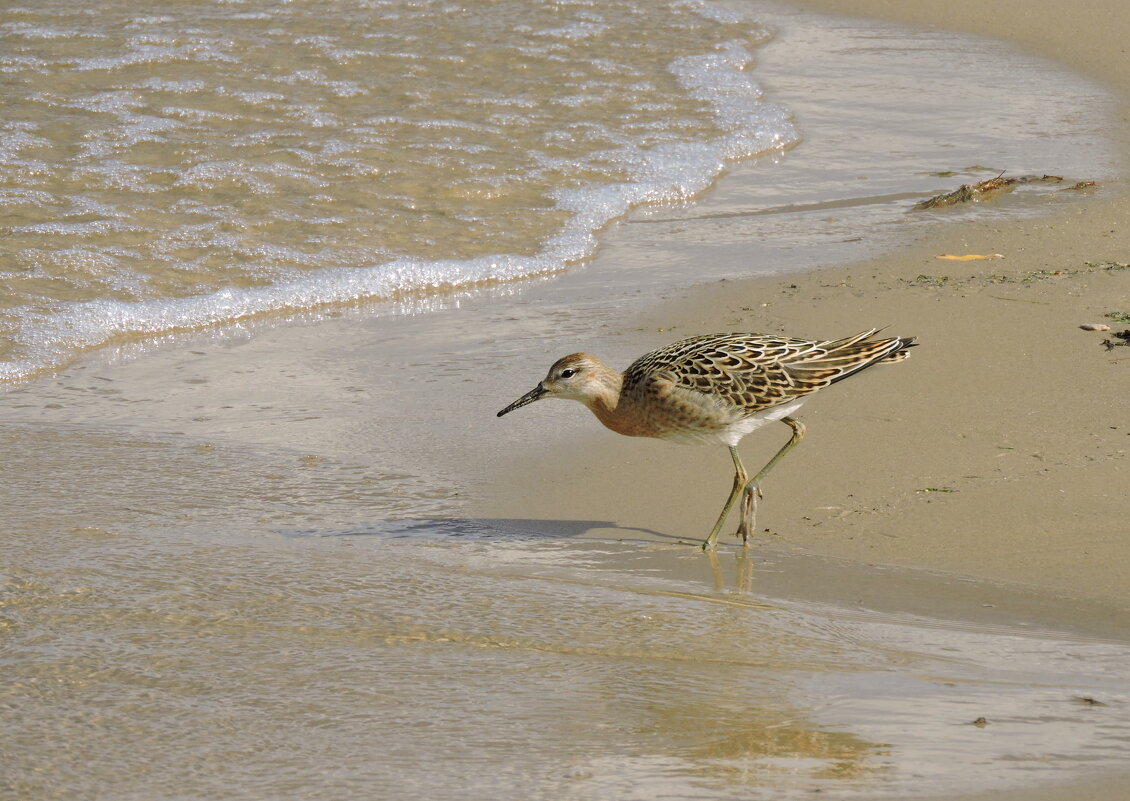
x: 534, y: 394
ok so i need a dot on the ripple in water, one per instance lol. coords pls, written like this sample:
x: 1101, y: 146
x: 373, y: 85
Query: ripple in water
x: 212, y: 161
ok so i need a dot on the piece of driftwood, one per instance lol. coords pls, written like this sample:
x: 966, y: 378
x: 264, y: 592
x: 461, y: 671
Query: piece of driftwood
x: 987, y: 190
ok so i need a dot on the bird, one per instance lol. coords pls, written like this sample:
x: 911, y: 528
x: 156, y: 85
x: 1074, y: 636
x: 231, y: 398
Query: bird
x: 716, y: 389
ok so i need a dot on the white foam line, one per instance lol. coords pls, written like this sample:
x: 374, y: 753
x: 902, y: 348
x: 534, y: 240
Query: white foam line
x: 664, y: 173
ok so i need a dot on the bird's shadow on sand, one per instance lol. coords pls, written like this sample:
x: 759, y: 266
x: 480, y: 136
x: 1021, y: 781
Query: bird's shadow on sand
x: 438, y: 529
x: 533, y: 532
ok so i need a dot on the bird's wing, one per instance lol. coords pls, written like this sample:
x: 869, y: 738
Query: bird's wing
x: 828, y: 362
x: 753, y: 372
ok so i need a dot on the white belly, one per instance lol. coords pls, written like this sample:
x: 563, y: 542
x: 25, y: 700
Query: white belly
x: 732, y: 434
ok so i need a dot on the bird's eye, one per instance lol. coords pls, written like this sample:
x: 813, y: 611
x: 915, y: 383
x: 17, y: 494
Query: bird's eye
x: 569, y: 372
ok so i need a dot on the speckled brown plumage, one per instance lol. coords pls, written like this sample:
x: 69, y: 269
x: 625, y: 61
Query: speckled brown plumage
x: 715, y: 388
x: 713, y: 381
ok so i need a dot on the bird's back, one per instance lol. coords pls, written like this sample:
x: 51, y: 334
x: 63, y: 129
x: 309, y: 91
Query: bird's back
x: 713, y: 383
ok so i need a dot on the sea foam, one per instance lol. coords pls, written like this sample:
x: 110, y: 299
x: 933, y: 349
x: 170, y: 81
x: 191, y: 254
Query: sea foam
x: 663, y: 172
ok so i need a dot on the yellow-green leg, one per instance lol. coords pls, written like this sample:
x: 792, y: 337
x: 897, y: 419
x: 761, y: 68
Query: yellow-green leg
x: 740, y: 479
x: 752, y: 487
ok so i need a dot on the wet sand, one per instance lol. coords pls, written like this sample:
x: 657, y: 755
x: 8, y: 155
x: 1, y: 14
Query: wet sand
x: 997, y: 453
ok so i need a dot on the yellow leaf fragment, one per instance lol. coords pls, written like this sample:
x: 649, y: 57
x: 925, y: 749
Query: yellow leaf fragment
x: 969, y: 256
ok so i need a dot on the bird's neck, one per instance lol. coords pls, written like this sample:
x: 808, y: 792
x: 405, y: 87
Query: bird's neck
x: 606, y: 402
x: 602, y: 392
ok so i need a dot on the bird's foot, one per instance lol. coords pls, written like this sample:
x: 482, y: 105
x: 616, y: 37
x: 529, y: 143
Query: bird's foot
x: 750, y: 497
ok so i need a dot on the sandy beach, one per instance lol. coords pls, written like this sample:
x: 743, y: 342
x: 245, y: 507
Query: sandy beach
x: 997, y: 451
x: 326, y: 508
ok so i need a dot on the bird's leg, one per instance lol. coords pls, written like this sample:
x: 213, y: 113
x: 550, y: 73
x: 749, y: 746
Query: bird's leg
x: 752, y: 490
x: 741, y: 477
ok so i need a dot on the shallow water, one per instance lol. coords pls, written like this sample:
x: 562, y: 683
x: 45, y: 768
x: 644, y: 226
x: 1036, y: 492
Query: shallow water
x: 504, y: 658
x: 205, y: 161
x: 279, y: 611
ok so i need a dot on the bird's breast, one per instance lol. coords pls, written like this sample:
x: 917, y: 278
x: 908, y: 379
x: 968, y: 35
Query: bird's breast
x: 662, y: 411
x: 622, y: 421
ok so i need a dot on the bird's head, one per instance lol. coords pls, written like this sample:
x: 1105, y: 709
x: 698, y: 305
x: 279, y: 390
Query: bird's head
x: 578, y: 376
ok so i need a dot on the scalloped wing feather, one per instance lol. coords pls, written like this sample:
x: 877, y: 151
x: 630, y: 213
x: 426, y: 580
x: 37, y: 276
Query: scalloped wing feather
x: 750, y: 373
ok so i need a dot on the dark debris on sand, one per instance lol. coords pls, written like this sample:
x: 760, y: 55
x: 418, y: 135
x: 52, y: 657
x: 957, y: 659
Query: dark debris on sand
x: 993, y: 187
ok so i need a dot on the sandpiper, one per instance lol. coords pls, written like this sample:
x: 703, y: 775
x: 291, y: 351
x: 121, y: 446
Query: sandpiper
x: 715, y: 388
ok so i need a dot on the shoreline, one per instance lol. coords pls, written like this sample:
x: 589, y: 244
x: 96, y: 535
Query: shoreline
x: 997, y: 453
